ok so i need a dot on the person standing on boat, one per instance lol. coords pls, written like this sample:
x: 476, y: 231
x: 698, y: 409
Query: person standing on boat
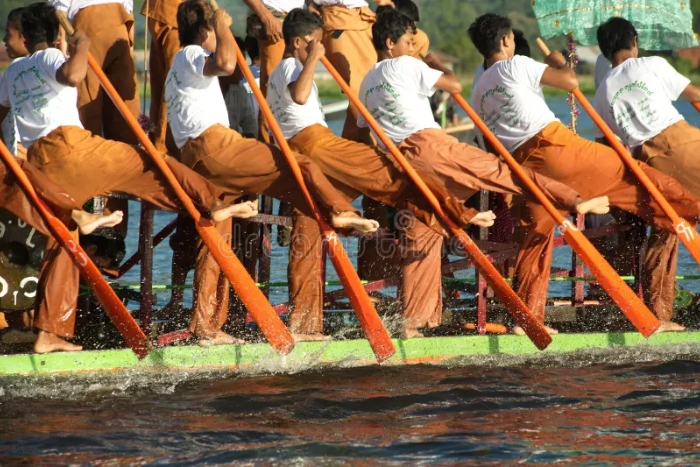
x: 354, y: 168
x: 41, y: 92
x: 161, y: 16
x: 635, y: 98
x: 240, y: 166
x: 509, y: 98
x: 396, y: 92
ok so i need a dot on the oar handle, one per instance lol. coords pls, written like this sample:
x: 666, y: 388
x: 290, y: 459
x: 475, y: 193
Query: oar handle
x: 543, y: 47
x: 63, y: 20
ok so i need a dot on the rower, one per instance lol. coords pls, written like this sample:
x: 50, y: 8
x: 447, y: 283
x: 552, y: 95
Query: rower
x: 645, y: 119
x: 396, y: 91
x: 509, y: 98
x: 85, y: 165
x: 240, y: 166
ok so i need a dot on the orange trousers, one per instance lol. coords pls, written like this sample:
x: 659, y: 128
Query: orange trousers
x: 165, y: 43
x: 347, y: 37
x: 354, y: 169
x: 87, y: 166
x: 270, y: 56
x: 673, y: 152
x: 108, y: 26
x: 244, y: 166
x: 594, y: 170
x: 13, y: 198
x: 464, y: 169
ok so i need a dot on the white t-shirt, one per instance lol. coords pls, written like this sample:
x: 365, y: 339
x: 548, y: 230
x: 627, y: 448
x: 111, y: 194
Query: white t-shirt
x: 72, y: 7
x: 9, y: 125
x: 396, y: 92
x: 283, y: 6
x: 346, y: 3
x: 508, y: 97
x: 194, y: 101
x: 39, y: 103
x: 291, y: 116
x: 636, y: 98
x: 477, y: 74
x: 602, y: 66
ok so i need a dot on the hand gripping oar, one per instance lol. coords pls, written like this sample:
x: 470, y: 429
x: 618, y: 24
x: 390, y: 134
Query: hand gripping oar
x: 370, y: 321
x: 260, y: 309
x: 685, y: 232
x: 122, y: 319
x: 619, y: 291
x: 522, y: 315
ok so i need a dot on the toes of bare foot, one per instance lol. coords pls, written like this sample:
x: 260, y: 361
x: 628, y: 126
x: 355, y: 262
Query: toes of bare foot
x: 221, y: 338
x: 599, y: 205
x: 47, y: 343
x: 518, y: 331
x: 411, y: 333
x: 670, y: 326
x: 316, y: 337
x: 551, y: 330
x: 350, y: 220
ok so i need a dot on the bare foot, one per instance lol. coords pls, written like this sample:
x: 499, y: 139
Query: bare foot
x: 350, y: 220
x: 411, y: 333
x: 88, y: 222
x: 599, y: 205
x: 518, y: 331
x: 670, y: 326
x: 243, y: 210
x: 221, y: 338
x: 315, y: 337
x: 47, y: 343
x: 483, y: 219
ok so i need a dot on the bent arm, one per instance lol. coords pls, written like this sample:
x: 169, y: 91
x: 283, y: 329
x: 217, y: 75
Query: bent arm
x: 448, y: 82
x: 692, y: 93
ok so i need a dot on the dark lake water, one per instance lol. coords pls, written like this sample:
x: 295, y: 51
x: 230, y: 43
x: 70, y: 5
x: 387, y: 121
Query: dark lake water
x: 595, y: 412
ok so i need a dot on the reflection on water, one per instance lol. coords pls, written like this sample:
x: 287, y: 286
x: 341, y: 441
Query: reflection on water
x: 593, y: 415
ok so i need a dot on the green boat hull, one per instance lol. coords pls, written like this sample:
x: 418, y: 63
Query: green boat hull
x: 260, y: 358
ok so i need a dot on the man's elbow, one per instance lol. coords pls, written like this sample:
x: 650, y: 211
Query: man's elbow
x: 226, y: 67
x: 74, y: 79
x: 299, y: 100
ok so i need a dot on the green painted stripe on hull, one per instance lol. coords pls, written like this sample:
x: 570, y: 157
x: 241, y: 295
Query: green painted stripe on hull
x: 261, y: 358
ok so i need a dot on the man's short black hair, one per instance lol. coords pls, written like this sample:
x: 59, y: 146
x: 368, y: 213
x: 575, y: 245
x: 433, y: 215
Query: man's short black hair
x: 15, y: 17
x: 522, y: 46
x: 299, y: 23
x: 408, y: 8
x: 252, y: 47
x: 487, y: 31
x: 614, y: 35
x: 192, y: 16
x: 390, y: 24
x: 39, y: 23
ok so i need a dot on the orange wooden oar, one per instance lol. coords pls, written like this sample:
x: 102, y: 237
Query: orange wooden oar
x: 685, y: 232
x: 376, y: 333
x: 260, y: 309
x: 522, y: 315
x: 122, y: 319
x: 619, y: 291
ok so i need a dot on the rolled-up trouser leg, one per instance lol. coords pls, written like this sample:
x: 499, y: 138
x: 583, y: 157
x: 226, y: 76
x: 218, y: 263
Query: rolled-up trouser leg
x: 533, y: 264
x: 305, y: 278
x: 211, y: 287
x: 659, y: 272
x: 420, y: 250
